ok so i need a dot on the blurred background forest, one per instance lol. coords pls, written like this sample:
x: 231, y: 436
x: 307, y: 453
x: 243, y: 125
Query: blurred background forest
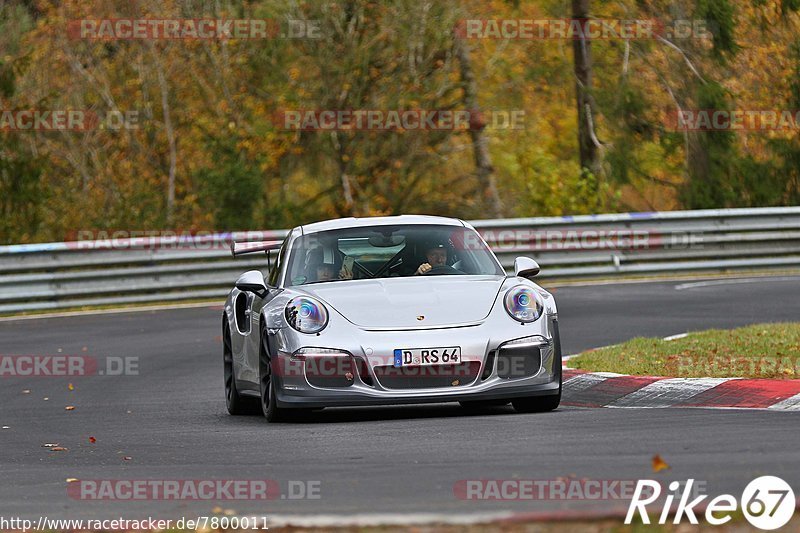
x: 206, y: 153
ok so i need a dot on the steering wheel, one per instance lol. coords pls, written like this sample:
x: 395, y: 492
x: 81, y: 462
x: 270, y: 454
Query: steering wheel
x: 440, y: 270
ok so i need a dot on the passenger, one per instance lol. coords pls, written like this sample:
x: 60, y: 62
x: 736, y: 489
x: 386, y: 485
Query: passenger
x: 326, y: 272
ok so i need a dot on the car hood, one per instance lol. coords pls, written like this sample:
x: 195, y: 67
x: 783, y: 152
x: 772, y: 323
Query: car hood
x: 441, y: 301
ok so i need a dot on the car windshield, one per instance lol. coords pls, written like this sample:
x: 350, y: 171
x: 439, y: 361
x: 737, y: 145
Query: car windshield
x: 389, y: 251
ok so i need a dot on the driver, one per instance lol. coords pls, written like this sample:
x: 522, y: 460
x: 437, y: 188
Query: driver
x: 436, y: 255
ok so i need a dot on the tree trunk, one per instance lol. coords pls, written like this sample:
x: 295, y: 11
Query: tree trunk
x: 170, y: 131
x: 582, y: 52
x: 483, y: 160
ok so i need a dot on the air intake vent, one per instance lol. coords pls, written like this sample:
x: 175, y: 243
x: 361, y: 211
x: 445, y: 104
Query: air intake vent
x: 518, y: 361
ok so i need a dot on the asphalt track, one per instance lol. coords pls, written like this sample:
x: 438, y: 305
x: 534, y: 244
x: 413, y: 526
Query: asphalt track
x: 170, y: 420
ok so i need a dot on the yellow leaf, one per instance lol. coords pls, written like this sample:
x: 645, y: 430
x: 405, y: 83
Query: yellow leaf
x: 659, y: 464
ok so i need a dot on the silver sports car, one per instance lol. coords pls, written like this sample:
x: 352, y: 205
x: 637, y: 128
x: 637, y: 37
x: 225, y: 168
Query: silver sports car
x: 387, y: 310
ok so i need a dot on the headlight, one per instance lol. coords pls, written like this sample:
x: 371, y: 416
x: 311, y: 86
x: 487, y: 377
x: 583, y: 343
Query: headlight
x: 523, y: 304
x: 306, y: 315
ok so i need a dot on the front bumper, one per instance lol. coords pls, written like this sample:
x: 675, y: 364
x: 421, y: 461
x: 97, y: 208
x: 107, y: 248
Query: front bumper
x: 480, y: 347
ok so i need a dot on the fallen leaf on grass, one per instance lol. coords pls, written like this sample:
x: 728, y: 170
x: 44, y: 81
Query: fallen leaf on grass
x: 659, y: 464
x: 69, y: 408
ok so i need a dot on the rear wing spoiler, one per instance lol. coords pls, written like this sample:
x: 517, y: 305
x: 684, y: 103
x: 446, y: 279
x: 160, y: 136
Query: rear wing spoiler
x: 250, y: 247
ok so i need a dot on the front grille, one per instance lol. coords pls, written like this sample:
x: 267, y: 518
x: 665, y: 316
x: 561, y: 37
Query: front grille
x: 518, y: 361
x: 428, y: 377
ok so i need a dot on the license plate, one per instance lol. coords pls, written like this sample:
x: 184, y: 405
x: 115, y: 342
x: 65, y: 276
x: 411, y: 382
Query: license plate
x: 427, y: 356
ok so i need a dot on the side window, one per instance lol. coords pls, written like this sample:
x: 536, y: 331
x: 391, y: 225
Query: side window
x: 277, y: 265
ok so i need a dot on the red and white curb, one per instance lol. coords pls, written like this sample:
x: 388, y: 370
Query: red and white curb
x: 606, y: 389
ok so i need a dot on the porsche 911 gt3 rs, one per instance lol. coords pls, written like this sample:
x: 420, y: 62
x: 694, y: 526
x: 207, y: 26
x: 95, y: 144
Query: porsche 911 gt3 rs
x: 387, y: 310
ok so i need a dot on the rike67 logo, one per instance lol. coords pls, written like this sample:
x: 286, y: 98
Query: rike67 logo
x: 767, y: 502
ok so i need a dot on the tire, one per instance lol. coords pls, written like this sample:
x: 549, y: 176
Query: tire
x: 537, y: 404
x: 237, y: 404
x: 269, y: 407
x: 541, y: 404
x: 478, y: 405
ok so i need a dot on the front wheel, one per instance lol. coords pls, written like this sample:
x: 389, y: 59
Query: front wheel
x: 537, y: 404
x: 235, y: 402
x: 479, y: 405
x: 269, y: 405
x: 541, y: 404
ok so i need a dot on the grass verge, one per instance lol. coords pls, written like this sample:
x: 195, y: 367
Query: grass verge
x: 759, y: 351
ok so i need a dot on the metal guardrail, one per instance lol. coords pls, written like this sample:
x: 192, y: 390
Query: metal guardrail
x: 89, y: 273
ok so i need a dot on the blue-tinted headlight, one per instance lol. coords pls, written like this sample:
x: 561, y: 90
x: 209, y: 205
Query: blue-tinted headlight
x: 523, y: 304
x: 306, y: 315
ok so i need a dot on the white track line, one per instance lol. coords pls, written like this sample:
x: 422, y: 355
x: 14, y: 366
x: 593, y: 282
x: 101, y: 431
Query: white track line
x: 161, y: 307
x: 566, y: 283
x: 699, y: 284
x: 581, y: 382
x: 388, y: 519
x: 667, y: 392
x: 612, y: 375
x: 789, y: 404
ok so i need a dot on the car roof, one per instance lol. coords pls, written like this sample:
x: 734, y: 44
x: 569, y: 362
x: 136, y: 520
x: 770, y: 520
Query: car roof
x: 358, y: 222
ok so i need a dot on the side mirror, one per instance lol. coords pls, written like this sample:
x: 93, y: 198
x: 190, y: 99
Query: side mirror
x: 525, y: 267
x: 252, y: 281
